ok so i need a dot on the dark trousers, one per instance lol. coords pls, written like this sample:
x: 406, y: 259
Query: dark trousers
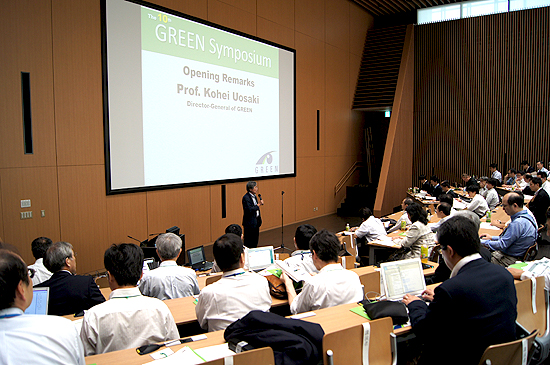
x: 251, y: 236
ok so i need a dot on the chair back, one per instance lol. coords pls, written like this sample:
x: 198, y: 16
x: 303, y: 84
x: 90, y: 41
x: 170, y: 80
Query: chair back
x: 526, y: 318
x: 509, y: 353
x: 213, y: 279
x: 370, y: 282
x: 263, y: 356
x: 346, y: 345
x: 531, y: 252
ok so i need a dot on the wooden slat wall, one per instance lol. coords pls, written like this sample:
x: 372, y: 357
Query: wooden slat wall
x: 482, y: 91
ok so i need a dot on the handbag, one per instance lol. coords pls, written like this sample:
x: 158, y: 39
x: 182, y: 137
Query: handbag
x: 277, y: 287
x: 386, y: 308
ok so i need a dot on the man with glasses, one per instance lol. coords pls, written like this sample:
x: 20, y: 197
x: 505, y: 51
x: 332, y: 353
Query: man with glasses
x: 475, y: 308
x: 28, y: 338
x: 520, y: 234
x: 69, y: 293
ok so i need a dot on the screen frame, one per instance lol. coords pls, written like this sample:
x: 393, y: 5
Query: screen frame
x: 105, y: 88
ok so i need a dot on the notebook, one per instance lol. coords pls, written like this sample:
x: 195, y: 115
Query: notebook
x: 402, y: 277
x: 197, y: 259
x: 260, y: 258
x: 39, y: 304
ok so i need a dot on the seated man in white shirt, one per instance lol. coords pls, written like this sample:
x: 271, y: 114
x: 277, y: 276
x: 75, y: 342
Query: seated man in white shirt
x: 520, y: 183
x: 128, y: 319
x: 39, y: 246
x: 446, y: 198
x: 478, y: 205
x: 545, y: 183
x: 404, y: 217
x: 371, y: 228
x: 443, y: 212
x: 236, y: 293
x: 483, y: 186
x: 29, y: 338
x: 492, y: 198
x: 333, y: 286
x: 169, y: 281
x: 302, y: 255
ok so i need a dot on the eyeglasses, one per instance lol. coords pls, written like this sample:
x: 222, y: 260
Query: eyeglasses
x: 440, y: 249
x: 31, y: 272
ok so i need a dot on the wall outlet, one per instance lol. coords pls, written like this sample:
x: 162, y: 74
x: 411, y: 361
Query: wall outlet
x: 25, y: 203
x: 26, y: 215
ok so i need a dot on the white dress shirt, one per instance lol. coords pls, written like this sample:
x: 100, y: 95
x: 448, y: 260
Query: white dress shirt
x: 38, y: 339
x: 231, y: 298
x: 303, y: 259
x: 169, y: 281
x: 463, y: 261
x: 546, y: 186
x: 492, y: 199
x: 404, y: 217
x: 478, y: 205
x: 332, y: 286
x: 41, y: 274
x: 127, y: 320
x: 372, y: 229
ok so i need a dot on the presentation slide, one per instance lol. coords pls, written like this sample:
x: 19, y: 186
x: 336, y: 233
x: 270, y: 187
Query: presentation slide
x: 190, y: 103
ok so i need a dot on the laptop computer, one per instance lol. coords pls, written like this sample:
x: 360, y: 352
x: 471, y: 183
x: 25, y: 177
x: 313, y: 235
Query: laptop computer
x: 197, y: 259
x: 402, y: 277
x: 260, y: 258
x: 39, y: 304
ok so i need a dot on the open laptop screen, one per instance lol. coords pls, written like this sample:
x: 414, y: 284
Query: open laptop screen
x: 39, y: 304
x: 196, y: 255
x: 260, y: 258
x: 402, y: 277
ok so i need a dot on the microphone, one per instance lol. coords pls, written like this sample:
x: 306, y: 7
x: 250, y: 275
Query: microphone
x: 282, y: 193
x: 135, y: 239
x: 260, y: 196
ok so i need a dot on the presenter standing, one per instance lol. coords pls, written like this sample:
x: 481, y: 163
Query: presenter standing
x: 252, y: 220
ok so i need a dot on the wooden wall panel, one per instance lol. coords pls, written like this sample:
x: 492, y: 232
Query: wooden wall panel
x: 127, y: 216
x: 62, y: 42
x: 246, y: 5
x: 280, y: 12
x: 187, y: 208
x: 310, y: 18
x: 482, y: 93
x: 26, y: 47
x: 359, y: 22
x: 236, y: 17
x: 310, y: 187
x: 398, y: 152
x: 357, y: 128
x: 271, y: 194
x: 337, y: 24
x: 310, y: 94
x: 275, y: 33
x: 196, y: 8
x: 337, y: 122
x: 83, y: 213
x: 39, y: 184
x: 234, y: 211
x: 77, y: 77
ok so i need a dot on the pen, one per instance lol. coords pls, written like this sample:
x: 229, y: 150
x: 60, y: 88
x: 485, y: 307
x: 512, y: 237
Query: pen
x: 146, y: 349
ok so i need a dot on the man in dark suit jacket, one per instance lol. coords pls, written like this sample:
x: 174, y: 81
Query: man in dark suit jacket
x: 69, y: 293
x: 425, y: 184
x: 436, y: 187
x: 252, y: 219
x: 475, y: 308
x: 540, y: 202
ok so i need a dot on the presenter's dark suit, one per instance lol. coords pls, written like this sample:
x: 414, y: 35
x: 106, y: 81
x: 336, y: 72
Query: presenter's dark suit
x: 252, y: 221
x: 539, y: 204
x: 474, y: 309
x: 70, y: 294
x: 427, y: 187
